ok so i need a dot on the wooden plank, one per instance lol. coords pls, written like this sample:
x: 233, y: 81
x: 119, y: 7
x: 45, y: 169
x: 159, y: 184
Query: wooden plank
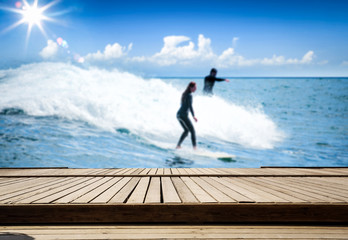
x: 161, y: 233
x: 338, y: 170
x: 197, y: 191
x: 152, y: 171
x: 167, y: 171
x: 24, y: 172
x: 160, y: 171
x: 114, y: 171
x: 333, y: 185
x: 318, y: 193
x: 154, y: 192
x: 9, y: 181
x: 240, y: 171
x: 283, y: 186
x: 174, y: 213
x: 340, y: 183
x: 191, y: 171
x: 306, y: 171
x: 262, y: 191
x: 214, y: 192
x: 302, y: 228
x: 177, y: 232
x: 137, y: 171
x: 182, y: 171
x: 175, y: 171
x: 122, y: 171
x: 282, y: 171
x: 255, y: 197
x: 329, y: 194
x: 106, y: 172
x: 132, y: 171
x: 195, y: 171
x: 215, y: 171
x: 125, y: 192
x: 139, y: 192
x: 56, y: 194
x: 227, y: 171
x: 99, y: 172
x: 91, y: 171
x: 32, y: 190
x: 234, y: 171
x: 334, y: 189
x: 52, y: 189
x: 169, y: 193
x: 107, y: 183
x: 128, y: 171
x: 297, y: 171
x: 18, y: 186
x: 112, y: 191
x: 237, y: 197
x: 96, y: 182
x: 263, y: 184
x: 320, y: 171
x: 304, y: 194
x: 183, y: 191
x: 145, y: 171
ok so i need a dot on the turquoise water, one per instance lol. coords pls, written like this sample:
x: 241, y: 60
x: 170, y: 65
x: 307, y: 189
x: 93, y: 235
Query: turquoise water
x: 60, y: 115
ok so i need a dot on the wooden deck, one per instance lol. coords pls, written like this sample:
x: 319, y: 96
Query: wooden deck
x: 256, y: 232
x: 176, y: 195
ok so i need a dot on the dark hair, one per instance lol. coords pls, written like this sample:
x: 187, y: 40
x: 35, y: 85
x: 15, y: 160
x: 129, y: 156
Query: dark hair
x: 187, y: 91
x: 213, y: 70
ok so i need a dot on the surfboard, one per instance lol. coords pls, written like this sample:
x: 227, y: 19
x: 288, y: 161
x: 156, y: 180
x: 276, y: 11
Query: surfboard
x: 189, y: 153
x: 218, y: 155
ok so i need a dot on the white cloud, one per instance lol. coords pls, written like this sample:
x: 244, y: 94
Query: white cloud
x: 110, y: 52
x: 172, y: 53
x: 276, y: 60
x: 181, y: 50
x: 138, y: 59
x: 345, y: 63
x: 281, y: 60
x: 50, y: 50
x: 229, y: 59
x: 204, y: 49
x: 308, y: 57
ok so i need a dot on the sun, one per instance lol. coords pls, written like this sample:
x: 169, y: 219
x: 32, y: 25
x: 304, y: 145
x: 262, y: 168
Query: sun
x: 32, y: 15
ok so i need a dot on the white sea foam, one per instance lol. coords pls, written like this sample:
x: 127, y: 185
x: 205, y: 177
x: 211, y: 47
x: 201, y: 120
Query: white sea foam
x: 114, y: 100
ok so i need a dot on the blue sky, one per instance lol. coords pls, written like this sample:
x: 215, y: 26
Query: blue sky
x: 184, y: 38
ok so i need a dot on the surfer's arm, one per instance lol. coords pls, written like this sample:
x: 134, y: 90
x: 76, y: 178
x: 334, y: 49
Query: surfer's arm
x: 191, y: 109
x: 221, y: 79
x: 193, y: 114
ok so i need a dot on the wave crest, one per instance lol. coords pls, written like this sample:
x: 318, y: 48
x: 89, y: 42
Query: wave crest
x: 119, y: 100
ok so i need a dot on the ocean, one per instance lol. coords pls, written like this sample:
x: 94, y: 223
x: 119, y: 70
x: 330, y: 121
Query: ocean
x: 62, y: 115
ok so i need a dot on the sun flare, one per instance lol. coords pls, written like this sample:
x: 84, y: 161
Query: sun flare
x: 32, y: 15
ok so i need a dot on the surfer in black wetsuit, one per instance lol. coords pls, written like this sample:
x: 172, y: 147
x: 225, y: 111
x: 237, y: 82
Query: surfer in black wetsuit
x: 182, y: 115
x: 209, y: 82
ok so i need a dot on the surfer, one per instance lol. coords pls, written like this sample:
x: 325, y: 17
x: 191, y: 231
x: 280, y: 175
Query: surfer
x: 182, y: 115
x: 209, y: 82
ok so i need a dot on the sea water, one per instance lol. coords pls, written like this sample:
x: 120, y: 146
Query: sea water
x: 62, y: 115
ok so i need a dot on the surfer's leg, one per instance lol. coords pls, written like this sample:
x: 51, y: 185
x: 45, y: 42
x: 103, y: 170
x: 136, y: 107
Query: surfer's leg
x: 192, y: 131
x: 185, y: 133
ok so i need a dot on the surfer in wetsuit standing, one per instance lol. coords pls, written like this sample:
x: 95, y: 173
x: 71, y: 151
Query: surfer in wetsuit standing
x: 209, y: 82
x: 182, y: 115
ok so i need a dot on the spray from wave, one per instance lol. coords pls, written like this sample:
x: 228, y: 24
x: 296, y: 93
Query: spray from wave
x: 119, y: 100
